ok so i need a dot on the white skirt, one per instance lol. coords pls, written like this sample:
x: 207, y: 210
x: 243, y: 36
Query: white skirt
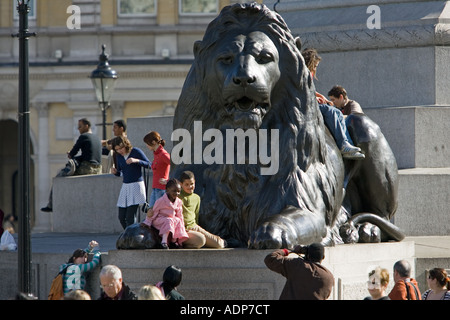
x: 131, y: 194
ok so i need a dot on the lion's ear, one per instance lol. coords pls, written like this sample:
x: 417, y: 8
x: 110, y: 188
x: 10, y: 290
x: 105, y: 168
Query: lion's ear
x: 298, y: 43
x: 197, y: 47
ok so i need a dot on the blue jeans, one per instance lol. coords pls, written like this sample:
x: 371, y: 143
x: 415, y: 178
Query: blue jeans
x: 156, y: 194
x: 335, y: 122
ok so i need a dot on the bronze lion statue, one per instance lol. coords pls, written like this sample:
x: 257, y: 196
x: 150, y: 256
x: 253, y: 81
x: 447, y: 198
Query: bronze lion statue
x: 249, y: 78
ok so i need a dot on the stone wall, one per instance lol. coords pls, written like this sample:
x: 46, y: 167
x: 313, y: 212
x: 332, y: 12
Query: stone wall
x: 211, y: 274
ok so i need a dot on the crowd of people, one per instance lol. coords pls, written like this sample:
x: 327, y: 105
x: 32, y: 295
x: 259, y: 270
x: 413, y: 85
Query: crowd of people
x: 113, y: 287
x: 308, y: 279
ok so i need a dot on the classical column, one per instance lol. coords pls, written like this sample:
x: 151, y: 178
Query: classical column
x: 43, y: 221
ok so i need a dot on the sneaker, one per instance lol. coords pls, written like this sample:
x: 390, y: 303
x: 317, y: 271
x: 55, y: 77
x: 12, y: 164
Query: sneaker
x: 47, y: 209
x: 348, y: 148
x: 354, y: 155
x: 164, y: 246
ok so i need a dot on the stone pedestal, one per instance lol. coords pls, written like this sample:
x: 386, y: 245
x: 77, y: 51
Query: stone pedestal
x: 241, y: 273
x: 86, y: 204
x: 210, y: 274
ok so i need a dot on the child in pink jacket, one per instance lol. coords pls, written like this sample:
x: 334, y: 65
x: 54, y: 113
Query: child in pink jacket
x: 168, y: 216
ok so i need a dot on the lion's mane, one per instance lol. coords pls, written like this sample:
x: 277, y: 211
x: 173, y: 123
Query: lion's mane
x: 236, y: 199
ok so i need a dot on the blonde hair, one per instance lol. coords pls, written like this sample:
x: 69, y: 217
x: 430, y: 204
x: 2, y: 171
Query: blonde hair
x: 77, y: 295
x: 382, y: 274
x: 150, y: 292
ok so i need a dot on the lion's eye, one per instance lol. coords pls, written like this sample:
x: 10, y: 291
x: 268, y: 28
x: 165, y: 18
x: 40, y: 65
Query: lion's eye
x: 226, y: 59
x: 265, y: 57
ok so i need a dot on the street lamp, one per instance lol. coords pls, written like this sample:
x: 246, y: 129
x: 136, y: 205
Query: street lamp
x: 24, y: 252
x: 104, y: 80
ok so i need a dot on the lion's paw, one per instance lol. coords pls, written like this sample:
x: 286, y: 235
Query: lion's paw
x: 271, y: 236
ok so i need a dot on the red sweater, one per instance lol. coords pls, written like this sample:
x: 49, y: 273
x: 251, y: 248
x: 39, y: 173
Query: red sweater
x: 160, y: 167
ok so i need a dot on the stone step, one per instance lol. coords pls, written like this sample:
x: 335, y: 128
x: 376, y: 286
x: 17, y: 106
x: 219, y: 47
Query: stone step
x: 241, y: 274
x: 418, y: 136
x: 424, y: 202
x: 223, y: 274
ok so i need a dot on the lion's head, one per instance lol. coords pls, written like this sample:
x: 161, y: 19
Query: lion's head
x: 249, y: 73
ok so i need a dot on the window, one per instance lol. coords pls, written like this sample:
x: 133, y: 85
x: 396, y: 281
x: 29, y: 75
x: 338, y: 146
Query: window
x: 31, y: 14
x: 128, y: 8
x: 199, y: 7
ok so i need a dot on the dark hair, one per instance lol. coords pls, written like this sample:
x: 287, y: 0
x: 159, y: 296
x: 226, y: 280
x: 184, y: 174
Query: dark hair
x: 154, y: 136
x: 441, y: 276
x: 172, y: 182
x: 186, y: 175
x: 171, y: 278
x: 336, y: 91
x: 315, y: 252
x: 77, y: 254
x: 121, y: 141
x: 121, y: 123
x: 85, y: 121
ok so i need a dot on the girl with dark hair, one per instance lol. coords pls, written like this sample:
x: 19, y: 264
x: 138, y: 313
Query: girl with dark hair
x: 130, y: 160
x: 160, y: 165
x: 171, y: 280
x: 439, y: 284
x: 77, y: 266
x: 167, y: 216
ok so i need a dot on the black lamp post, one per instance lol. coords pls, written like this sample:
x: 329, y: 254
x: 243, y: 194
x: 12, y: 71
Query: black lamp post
x: 24, y: 247
x: 104, y: 80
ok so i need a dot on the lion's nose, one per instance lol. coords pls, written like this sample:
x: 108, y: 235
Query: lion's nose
x: 244, y: 80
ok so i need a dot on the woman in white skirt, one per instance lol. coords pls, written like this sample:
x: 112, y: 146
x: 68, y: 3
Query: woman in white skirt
x: 130, y: 161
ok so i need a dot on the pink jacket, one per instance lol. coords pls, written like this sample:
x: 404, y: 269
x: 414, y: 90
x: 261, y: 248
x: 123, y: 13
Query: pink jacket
x: 168, y: 217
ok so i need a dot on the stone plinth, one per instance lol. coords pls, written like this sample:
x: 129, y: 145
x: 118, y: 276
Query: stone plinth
x: 241, y: 273
x: 86, y: 204
x: 418, y: 136
x: 227, y: 274
x: 423, y: 202
x: 385, y: 53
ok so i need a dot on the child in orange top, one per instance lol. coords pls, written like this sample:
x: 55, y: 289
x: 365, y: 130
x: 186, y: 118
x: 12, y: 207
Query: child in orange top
x: 167, y: 216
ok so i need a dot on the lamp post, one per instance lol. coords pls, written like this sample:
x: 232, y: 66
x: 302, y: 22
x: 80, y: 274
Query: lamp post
x: 104, y: 80
x: 24, y: 247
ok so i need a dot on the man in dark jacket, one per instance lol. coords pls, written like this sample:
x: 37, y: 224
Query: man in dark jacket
x: 306, y: 278
x: 113, y: 286
x: 88, y: 162
x: 90, y: 159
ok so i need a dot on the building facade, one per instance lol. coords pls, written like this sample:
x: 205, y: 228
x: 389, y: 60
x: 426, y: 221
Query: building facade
x: 149, y: 43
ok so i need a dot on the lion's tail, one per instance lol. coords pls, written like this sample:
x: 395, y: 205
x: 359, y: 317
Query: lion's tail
x: 391, y: 231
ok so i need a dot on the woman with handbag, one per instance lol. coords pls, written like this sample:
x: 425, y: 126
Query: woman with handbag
x: 130, y: 160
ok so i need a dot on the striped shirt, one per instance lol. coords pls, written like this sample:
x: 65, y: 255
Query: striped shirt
x: 74, y: 277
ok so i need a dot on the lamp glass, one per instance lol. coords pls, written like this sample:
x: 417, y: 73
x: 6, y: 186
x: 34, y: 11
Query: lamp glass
x: 104, y: 88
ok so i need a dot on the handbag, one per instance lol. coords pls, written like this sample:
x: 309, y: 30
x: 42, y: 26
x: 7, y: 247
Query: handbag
x: 145, y: 206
